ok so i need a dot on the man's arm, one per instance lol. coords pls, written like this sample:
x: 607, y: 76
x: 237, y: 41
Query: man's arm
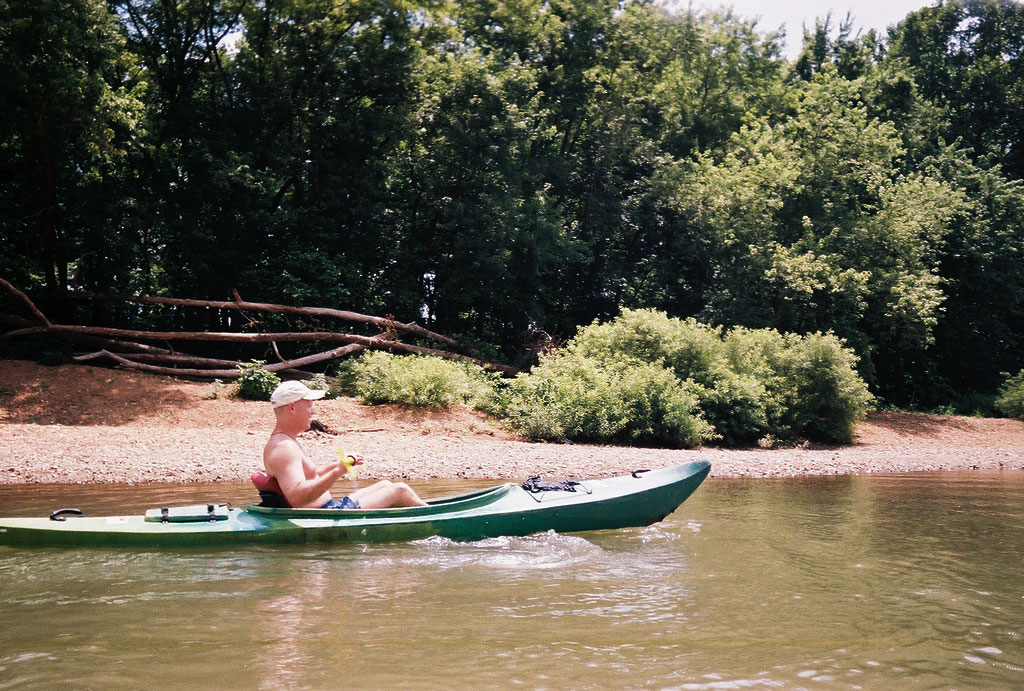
x: 284, y: 462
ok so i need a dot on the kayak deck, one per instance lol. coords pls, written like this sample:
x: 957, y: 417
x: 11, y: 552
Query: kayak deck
x: 638, y: 499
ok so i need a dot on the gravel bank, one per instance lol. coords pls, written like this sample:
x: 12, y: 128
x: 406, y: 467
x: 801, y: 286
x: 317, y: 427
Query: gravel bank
x: 83, y: 424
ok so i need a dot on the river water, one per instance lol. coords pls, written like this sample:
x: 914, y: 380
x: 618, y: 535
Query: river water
x: 901, y: 581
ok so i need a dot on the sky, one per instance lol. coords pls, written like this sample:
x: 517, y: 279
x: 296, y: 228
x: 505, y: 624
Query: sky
x: 867, y: 14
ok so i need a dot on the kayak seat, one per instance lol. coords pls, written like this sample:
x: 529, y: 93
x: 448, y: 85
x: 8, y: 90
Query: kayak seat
x: 270, y: 492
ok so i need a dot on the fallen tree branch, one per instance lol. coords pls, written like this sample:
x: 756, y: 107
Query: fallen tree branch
x: 240, y: 304
x: 24, y: 298
x: 231, y: 337
x: 135, y: 361
x: 321, y: 357
x: 86, y: 339
x: 111, y: 339
x: 117, y: 345
x: 164, y: 359
x: 280, y: 358
x: 233, y: 373
x: 220, y: 336
x: 157, y: 369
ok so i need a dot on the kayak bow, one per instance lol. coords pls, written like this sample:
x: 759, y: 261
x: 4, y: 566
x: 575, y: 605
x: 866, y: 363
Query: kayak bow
x: 639, y: 499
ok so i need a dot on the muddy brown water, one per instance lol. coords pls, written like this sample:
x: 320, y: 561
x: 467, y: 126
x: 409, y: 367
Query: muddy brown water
x: 896, y: 581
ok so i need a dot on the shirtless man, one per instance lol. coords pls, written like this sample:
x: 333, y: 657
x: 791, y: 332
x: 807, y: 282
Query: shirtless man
x: 303, y: 484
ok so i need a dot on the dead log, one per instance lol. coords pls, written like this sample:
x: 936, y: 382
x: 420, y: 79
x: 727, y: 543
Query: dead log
x: 219, y: 336
x: 157, y: 369
x: 204, y: 364
x: 109, y: 338
x: 232, y: 337
x: 382, y: 322
x: 24, y: 298
x: 232, y: 373
x: 23, y: 324
x: 320, y: 357
x: 164, y: 359
x: 119, y: 346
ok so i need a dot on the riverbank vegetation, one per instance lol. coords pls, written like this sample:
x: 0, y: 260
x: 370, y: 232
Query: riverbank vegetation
x: 645, y: 378
x: 1010, y: 401
x: 510, y: 171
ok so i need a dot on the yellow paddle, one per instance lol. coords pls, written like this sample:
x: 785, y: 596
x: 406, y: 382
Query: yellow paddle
x: 349, y: 461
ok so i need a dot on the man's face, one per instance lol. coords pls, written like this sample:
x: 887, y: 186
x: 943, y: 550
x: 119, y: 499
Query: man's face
x: 304, y: 411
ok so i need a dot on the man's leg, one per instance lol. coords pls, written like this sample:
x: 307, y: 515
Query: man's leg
x: 386, y: 494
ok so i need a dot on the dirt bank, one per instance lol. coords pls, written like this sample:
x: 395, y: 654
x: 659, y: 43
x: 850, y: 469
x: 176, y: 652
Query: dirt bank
x: 86, y: 424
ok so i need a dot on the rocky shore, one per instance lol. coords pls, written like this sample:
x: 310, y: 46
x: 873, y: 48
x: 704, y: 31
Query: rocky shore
x: 74, y: 424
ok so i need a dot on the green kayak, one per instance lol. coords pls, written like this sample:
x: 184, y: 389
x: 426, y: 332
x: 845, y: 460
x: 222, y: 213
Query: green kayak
x: 638, y: 499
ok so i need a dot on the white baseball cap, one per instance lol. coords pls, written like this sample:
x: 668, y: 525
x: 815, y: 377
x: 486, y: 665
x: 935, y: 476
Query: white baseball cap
x: 291, y: 391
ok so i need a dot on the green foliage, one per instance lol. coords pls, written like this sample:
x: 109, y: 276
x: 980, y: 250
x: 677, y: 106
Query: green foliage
x: 967, y: 56
x: 414, y: 380
x: 319, y: 382
x: 732, y: 403
x: 851, y: 56
x: 645, y: 376
x: 500, y: 167
x: 255, y: 383
x: 822, y: 395
x: 570, y: 397
x: 71, y: 122
x: 980, y: 333
x: 1010, y: 400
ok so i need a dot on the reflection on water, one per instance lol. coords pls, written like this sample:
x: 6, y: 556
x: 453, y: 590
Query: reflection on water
x: 869, y: 582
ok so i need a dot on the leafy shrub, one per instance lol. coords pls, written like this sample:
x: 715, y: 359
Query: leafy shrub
x: 569, y: 396
x: 416, y: 380
x: 758, y: 354
x: 660, y: 408
x: 255, y: 383
x: 734, y: 404
x: 565, y: 397
x: 319, y: 382
x: 823, y: 397
x: 644, y: 378
x: 1010, y: 400
x: 647, y: 377
x: 691, y: 349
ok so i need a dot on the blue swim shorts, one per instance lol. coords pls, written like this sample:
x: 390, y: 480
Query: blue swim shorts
x: 343, y: 503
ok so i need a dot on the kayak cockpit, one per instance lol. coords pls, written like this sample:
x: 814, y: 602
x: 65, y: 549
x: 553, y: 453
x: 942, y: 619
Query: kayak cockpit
x: 441, y: 505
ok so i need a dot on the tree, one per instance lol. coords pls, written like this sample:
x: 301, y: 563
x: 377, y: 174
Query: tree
x: 479, y: 240
x: 324, y: 103
x: 851, y: 54
x: 969, y: 56
x: 809, y: 225
x: 980, y: 332
x: 70, y: 119
x: 665, y: 86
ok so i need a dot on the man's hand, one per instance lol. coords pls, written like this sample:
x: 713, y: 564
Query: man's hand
x: 349, y: 461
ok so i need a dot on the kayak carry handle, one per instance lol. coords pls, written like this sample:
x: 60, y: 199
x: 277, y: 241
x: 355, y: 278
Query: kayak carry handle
x: 636, y: 473
x: 62, y: 514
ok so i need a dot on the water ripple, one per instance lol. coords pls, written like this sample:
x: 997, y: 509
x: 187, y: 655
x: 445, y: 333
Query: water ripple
x: 853, y: 582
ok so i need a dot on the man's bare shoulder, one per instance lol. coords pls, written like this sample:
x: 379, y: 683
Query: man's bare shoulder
x: 281, y: 448
x: 278, y: 439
